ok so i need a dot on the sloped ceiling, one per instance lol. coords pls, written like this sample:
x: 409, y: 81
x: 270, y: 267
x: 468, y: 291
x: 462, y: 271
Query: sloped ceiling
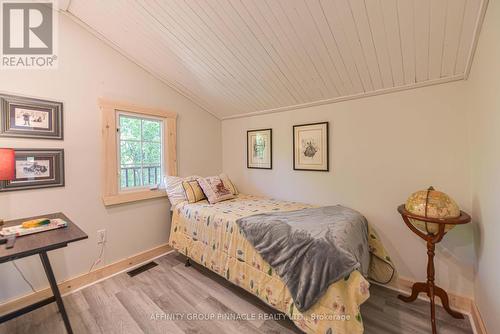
x: 240, y: 57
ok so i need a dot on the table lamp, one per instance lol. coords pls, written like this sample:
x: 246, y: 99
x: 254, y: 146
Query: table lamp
x: 7, y: 166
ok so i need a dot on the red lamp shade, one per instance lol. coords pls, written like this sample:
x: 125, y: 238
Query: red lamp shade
x: 7, y: 164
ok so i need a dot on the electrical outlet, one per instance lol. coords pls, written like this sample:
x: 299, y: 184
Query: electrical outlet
x: 101, y: 236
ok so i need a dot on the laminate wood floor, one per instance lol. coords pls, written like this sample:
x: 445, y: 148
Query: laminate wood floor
x: 122, y: 304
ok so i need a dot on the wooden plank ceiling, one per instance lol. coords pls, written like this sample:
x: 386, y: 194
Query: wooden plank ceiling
x: 237, y: 57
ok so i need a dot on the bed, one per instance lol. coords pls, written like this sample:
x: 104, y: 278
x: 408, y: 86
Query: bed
x: 208, y: 234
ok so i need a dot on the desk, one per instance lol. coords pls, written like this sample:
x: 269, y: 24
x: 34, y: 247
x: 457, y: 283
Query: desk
x: 41, y: 243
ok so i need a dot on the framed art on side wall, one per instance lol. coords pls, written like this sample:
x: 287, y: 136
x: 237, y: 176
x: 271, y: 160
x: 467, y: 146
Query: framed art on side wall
x: 23, y: 117
x: 36, y: 168
x: 310, y: 147
x: 260, y: 149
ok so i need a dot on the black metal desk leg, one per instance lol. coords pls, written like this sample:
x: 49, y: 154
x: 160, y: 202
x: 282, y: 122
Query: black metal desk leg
x: 55, y: 290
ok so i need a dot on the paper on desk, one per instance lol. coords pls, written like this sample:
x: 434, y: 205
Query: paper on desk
x: 18, y: 230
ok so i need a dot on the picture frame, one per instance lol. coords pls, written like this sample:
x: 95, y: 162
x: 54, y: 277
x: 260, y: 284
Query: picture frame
x: 36, y: 168
x: 260, y: 149
x: 311, y: 147
x: 23, y: 117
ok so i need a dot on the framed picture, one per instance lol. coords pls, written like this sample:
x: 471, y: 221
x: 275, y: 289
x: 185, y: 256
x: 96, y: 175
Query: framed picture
x: 260, y: 149
x: 24, y: 117
x: 36, y: 168
x: 310, y: 147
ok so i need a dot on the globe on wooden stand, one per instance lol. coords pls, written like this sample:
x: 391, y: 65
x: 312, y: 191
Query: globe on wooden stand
x: 430, y: 214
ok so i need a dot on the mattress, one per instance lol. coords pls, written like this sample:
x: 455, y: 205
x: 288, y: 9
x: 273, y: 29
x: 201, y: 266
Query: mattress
x: 208, y: 234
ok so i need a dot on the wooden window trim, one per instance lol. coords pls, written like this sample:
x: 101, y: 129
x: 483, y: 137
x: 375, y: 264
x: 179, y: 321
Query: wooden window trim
x: 110, y: 186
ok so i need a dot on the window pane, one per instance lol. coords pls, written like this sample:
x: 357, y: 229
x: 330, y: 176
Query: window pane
x: 152, y: 153
x: 151, y: 131
x: 130, y: 128
x: 130, y: 177
x: 123, y: 178
x: 141, y: 147
x: 130, y: 164
x: 130, y: 153
x: 151, y: 175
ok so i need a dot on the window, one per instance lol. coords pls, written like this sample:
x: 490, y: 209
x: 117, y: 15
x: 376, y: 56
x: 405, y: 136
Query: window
x: 139, y: 148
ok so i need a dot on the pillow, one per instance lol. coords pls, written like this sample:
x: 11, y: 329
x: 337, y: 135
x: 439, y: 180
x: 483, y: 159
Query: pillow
x: 214, y: 189
x: 175, y: 191
x: 193, y: 191
x: 228, y: 184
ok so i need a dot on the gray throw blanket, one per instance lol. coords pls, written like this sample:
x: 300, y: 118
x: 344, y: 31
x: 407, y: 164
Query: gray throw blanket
x: 310, y: 248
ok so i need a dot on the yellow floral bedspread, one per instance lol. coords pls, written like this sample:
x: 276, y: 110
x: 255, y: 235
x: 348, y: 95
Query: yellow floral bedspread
x: 209, y: 235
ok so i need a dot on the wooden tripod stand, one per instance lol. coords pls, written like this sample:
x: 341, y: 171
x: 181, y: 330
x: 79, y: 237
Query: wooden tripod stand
x: 429, y: 287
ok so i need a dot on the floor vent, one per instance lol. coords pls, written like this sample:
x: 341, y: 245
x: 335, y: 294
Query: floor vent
x: 142, y: 269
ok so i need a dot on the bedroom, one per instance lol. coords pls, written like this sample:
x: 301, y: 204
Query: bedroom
x: 135, y: 97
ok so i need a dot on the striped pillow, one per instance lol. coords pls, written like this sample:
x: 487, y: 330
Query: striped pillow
x: 194, y: 193
x: 175, y: 192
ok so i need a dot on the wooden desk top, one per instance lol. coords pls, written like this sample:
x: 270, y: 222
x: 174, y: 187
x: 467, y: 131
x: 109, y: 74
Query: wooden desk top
x: 44, y: 241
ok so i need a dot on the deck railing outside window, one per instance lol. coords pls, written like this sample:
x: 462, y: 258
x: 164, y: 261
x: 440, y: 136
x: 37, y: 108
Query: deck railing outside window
x: 131, y: 176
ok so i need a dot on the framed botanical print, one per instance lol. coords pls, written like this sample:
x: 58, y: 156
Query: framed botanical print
x: 260, y: 149
x: 24, y: 117
x: 36, y: 168
x: 310, y: 147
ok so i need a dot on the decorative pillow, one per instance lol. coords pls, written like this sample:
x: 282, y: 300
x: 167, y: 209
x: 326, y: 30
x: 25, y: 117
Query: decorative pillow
x: 214, y: 189
x: 175, y: 191
x: 228, y: 184
x: 194, y: 193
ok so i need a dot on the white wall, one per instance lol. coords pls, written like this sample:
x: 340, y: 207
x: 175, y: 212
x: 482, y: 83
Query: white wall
x: 382, y: 149
x: 483, y: 97
x: 88, y: 69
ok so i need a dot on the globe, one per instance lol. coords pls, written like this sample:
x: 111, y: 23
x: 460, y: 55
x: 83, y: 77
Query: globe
x: 431, y: 203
